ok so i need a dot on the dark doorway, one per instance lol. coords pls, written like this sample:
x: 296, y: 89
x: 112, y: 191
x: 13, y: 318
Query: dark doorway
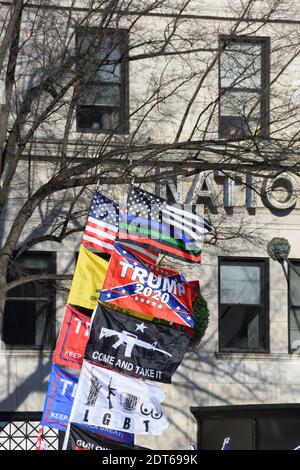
x: 250, y: 427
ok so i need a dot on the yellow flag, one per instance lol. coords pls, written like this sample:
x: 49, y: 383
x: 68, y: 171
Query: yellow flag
x: 90, y: 272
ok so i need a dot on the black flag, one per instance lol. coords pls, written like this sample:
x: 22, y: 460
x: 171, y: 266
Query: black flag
x: 80, y: 439
x: 134, y: 346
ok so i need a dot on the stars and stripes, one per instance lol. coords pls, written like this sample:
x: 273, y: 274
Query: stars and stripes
x: 102, y: 224
x: 102, y: 228
x: 173, y: 230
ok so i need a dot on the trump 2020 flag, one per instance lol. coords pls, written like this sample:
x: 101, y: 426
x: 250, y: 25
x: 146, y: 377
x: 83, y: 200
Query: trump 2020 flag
x: 59, y: 399
x: 72, y: 339
x: 82, y: 439
x: 135, y: 347
x: 88, y: 278
x: 174, y: 230
x: 135, y: 285
x: 102, y: 228
x: 108, y: 399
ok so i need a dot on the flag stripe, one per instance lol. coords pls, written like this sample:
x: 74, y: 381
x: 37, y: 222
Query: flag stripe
x: 201, y: 229
x: 153, y: 234
x: 182, y: 213
x: 96, y: 242
x: 183, y: 228
x: 99, y: 223
x: 154, y: 230
x: 165, y: 240
x: 152, y: 255
x: 92, y: 231
x: 160, y: 246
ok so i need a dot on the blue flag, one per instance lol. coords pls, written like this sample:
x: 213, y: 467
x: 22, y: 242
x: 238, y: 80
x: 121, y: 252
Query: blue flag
x: 59, y: 401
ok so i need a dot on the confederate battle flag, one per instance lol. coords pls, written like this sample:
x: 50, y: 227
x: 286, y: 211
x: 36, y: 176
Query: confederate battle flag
x: 132, y: 284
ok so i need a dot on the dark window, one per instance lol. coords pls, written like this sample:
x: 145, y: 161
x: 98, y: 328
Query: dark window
x: 251, y: 427
x: 294, y: 307
x: 102, y: 103
x: 243, y: 305
x: 29, y: 316
x: 244, y: 88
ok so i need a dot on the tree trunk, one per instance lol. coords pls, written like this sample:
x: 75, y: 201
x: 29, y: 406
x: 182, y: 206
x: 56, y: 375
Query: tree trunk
x: 3, y: 284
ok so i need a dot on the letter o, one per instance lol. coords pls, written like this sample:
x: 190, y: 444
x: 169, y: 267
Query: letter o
x: 285, y: 181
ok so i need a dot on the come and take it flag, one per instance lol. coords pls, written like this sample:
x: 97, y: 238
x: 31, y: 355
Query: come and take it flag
x: 108, y: 399
x: 135, y: 347
x: 88, y: 278
x: 72, y: 339
x: 161, y: 292
x: 81, y: 439
x: 59, y: 401
x: 102, y: 227
x: 174, y: 230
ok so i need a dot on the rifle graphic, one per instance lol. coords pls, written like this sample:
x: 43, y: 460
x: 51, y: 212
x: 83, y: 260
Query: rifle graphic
x: 129, y: 340
x: 111, y: 391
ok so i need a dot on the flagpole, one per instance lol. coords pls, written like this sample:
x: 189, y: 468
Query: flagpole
x: 67, y: 435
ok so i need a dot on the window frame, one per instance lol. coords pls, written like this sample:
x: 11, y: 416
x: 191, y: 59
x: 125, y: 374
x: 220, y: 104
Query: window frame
x: 264, y: 324
x: 123, y: 127
x: 51, y: 310
x: 295, y: 262
x: 264, y: 90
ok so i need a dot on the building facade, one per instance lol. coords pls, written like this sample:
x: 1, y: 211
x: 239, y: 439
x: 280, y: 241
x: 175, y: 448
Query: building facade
x: 224, y: 95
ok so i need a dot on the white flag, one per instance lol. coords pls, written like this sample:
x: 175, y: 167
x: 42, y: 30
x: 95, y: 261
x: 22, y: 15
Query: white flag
x: 111, y: 400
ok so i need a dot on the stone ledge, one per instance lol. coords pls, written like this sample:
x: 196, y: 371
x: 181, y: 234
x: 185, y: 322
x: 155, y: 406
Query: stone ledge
x: 9, y: 353
x: 257, y: 356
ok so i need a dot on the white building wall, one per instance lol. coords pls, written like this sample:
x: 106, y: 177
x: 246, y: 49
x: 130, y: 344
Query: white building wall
x: 206, y: 377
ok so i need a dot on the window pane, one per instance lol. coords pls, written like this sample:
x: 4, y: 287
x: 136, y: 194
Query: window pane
x: 239, y: 327
x: 240, y: 284
x: 295, y: 285
x: 100, y: 44
x: 295, y: 329
x: 96, y: 117
x: 33, y: 262
x: 241, y: 104
x: 98, y: 95
x: 29, y: 313
x: 240, y: 66
x: 233, y: 127
x: 43, y: 326
x: 19, y: 323
x: 109, y: 73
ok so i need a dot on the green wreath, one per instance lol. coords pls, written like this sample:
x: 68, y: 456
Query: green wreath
x: 201, y: 318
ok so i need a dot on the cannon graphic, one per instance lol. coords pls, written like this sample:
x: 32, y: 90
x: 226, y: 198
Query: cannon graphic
x: 129, y: 340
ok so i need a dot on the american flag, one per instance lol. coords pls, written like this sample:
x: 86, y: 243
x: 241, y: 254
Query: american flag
x: 102, y: 224
x: 102, y: 227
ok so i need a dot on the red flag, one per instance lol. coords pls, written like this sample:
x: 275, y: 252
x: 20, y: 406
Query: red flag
x: 72, y: 339
x: 143, y: 287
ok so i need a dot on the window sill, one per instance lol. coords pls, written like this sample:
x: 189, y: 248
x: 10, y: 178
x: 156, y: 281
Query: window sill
x: 10, y: 353
x: 259, y: 356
